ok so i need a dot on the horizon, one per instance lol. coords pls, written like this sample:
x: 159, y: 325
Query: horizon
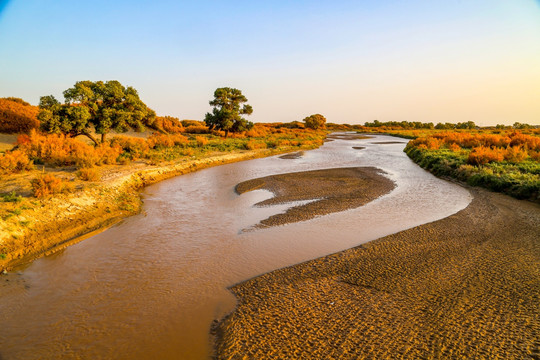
x: 351, y: 61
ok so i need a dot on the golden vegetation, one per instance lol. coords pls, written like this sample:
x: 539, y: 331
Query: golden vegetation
x: 506, y: 161
x: 17, y: 116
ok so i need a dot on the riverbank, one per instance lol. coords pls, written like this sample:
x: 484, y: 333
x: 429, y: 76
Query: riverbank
x: 463, y: 286
x: 42, y: 226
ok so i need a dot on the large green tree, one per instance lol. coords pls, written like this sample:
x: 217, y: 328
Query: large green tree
x: 95, y: 106
x: 316, y: 121
x: 229, y: 106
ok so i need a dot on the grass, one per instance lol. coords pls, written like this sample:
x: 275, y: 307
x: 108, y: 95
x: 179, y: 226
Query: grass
x: 518, y: 178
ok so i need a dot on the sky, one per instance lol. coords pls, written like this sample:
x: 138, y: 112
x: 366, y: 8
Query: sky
x: 352, y: 61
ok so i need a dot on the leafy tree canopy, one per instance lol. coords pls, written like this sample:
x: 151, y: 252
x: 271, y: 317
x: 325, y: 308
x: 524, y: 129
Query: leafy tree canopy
x: 316, y: 121
x: 99, y: 106
x: 228, y: 109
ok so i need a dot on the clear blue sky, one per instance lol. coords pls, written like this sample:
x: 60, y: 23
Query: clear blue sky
x: 352, y: 61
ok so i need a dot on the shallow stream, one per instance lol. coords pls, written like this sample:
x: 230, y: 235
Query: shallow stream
x: 149, y: 287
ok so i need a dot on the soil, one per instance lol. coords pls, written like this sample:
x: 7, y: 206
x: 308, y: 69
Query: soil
x: 328, y: 190
x: 466, y: 286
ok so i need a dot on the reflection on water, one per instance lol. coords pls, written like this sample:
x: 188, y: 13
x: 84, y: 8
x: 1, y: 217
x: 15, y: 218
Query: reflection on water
x: 151, y: 286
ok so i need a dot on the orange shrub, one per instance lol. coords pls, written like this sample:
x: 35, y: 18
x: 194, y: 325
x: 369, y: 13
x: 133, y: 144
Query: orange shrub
x: 14, y: 161
x: 201, y: 140
x: 515, y: 154
x: 48, y: 184
x: 257, y: 131
x: 60, y: 150
x: 88, y: 156
x: 169, y: 124
x: 528, y: 141
x: 196, y: 129
x: 17, y: 116
x: 482, y: 155
x: 254, y: 144
x: 135, y: 147
x: 454, y: 147
x: 89, y: 174
x: 534, y: 155
x: 162, y: 140
x: 430, y: 142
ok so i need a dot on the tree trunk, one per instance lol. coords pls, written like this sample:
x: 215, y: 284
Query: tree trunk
x: 90, y: 137
x: 226, y: 133
x: 103, y: 138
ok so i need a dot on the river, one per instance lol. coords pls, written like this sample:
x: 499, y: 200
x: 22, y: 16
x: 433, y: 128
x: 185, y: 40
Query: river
x: 149, y: 287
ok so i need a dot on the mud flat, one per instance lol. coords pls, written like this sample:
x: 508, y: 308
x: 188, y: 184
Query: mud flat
x: 466, y: 286
x: 327, y: 190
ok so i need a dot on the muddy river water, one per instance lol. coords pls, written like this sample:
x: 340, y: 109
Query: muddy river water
x: 149, y: 287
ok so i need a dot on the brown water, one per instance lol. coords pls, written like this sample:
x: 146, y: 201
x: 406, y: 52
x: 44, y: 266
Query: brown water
x: 150, y: 287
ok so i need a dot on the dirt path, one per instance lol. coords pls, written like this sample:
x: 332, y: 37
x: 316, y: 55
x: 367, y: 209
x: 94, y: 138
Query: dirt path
x: 467, y: 286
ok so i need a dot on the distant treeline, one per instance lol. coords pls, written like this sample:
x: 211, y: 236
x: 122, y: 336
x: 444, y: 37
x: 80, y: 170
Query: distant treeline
x: 420, y: 125
x: 410, y: 125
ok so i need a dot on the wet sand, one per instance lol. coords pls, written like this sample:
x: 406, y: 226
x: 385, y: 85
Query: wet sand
x: 294, y: 155
x: 466, y: 286
x: 328, y: 190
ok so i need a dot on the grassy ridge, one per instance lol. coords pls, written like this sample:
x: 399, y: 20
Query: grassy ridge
x: 506, y: 163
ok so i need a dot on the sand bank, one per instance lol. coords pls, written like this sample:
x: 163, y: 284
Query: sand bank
x: 328, y: 190
x: 466, y: 286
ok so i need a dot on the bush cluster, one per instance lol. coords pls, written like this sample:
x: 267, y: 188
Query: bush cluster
x: 14, y: 161
x: 48, y: 184
x: 507, y: 163
x: 17, y: 116
x: 59, y: 150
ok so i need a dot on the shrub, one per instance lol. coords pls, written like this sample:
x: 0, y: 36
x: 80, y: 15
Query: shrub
x: 254, y: 144
x: 515, y: 154
x: 201, y: 141
x: 17, y: 116
x: 196, y: 129
x: 169, y: 124
x: 162, y: 140
x: 89, y: 174
x: 58, y: 150
x: 15, y: 161
x: 454, y: 147
x: 134, y: 147
x: 482, y: 155
x: 186, y: 123
x: 48, y: 184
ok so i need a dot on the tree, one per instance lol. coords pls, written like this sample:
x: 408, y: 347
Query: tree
x: 315, y: 121
x: 98, y: 106
x: 227, y: 111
